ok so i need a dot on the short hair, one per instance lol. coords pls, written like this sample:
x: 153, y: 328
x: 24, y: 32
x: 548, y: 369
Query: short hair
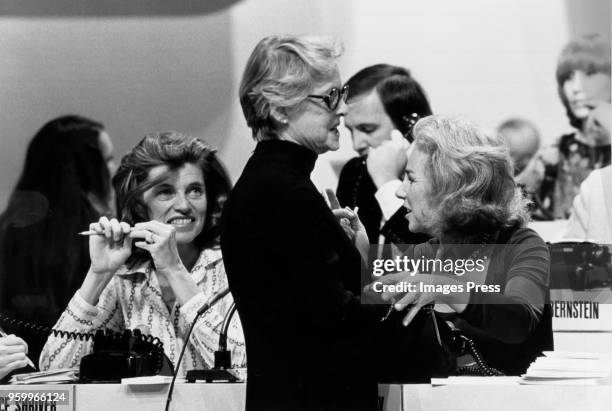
x: 282, y: 71
x: 472, y: 176
x: 529, y: 147
x: 174, y: 150
x: 589, y: 53
x: 400, y: 94
x: 520, y: 124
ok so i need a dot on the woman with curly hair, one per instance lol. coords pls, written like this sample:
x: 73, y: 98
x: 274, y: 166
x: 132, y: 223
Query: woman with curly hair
x: 459, y: 188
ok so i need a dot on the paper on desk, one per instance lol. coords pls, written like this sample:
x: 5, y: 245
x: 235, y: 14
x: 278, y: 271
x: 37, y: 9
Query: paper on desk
x: 562, y: 381
x: 46, y: 377
x: 565, y: 374
x: 151, y: 380
x: 569, y: 368
x: 578, y: 355
x: 470, y: 380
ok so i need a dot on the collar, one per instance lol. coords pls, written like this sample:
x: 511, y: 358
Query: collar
x: 299, y: 157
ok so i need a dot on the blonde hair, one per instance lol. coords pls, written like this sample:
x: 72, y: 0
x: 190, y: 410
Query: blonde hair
x: 471, y: 176
x: 281, y: 72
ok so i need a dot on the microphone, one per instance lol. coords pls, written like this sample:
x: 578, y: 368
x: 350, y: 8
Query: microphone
x: 213, y: 300
x: 205, y: 307
x: 222, y: 371
x: 223, y: 357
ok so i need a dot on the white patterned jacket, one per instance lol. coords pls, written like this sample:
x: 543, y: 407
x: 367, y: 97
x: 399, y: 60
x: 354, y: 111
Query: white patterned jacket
x: 133, y: 299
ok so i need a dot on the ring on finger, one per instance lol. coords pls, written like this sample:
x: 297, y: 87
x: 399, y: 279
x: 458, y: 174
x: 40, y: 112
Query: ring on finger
x: 149, y: 238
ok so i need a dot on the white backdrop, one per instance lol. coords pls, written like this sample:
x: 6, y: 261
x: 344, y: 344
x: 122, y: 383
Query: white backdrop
x: 141, y: 69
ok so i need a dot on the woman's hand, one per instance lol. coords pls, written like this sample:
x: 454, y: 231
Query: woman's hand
x: 388, y: 161
x: 111, y: 248
x: 160, y: 242
x: 350, y: 223
x: 108, y: 251
x: 597, y: 126
x: 13, y: 352
x: 419, y: 292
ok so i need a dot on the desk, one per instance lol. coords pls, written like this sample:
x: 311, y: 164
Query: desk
x: 414, y: 397
x: 201, y: 397
x: 417, y: 397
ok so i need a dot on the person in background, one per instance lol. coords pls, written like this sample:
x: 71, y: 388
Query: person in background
x: 64, y: 185
x: 382, y: 100
x: 583, y: 79
x: 156, y: 265
x: 523, y: 141
x: 591, y: 217
x: 294, y: 272
x: 459, y: 188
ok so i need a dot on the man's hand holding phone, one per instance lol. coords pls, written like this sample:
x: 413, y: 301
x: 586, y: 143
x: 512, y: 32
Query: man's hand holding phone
x: 388, y: 161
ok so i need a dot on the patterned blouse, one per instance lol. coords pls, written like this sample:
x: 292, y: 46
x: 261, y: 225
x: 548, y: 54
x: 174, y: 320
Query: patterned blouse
x: 133, y: 299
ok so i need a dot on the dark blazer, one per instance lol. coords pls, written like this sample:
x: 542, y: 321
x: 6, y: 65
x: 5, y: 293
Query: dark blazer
x: 295, y: 278
x: 356, y: 188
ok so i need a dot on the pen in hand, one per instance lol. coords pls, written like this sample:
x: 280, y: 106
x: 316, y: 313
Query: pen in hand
x: 30, y: 363
x: 92, y: 232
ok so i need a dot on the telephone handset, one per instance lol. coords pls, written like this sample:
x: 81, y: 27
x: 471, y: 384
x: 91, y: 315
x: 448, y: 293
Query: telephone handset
x: 356, y: 188
x: 115, y: 355
x: 409, y: 122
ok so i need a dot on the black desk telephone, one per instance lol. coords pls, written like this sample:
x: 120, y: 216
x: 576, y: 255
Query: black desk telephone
x: 115, y: 355
x: 122, y: 355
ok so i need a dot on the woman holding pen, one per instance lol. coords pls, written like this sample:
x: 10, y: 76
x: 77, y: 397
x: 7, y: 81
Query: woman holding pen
x: 156, y: 265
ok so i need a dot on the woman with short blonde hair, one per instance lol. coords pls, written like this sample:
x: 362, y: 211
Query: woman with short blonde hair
x: 279, y: 75
x: 294, y: 273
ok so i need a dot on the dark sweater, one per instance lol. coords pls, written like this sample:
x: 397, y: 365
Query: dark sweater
x: 295, y: 277
x: 508, y: 328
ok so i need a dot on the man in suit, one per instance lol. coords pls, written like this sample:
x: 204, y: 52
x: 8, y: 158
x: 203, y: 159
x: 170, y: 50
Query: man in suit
x: 382, y: 104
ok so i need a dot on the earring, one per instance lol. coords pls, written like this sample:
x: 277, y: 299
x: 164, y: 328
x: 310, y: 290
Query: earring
x: 280, y: 118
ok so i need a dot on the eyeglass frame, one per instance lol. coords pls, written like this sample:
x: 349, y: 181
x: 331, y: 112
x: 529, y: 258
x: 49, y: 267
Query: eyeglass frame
x: 327, y: 97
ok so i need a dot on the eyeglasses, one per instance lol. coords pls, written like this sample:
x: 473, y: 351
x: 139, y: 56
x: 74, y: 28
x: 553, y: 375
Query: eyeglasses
x: 332, y: 99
